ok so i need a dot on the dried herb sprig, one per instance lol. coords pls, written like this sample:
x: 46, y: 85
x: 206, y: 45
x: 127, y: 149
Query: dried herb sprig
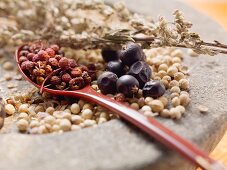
x: 91, y: 24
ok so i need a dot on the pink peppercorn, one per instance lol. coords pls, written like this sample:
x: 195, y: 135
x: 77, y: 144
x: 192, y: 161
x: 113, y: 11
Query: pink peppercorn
x: 66, y: 77
x: 72, y: 63
x: 58, y: 57
x: 43, y: 55
x: 35, y: 58
x: 22, y: 59
x: 30, y: 56
x: 64, y: 62
x: 53, y: 62
x: 55, y: 80
x: 55, y: 47
x: 50, y: 52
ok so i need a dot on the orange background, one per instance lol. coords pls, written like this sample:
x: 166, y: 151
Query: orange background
x: 217, y: 9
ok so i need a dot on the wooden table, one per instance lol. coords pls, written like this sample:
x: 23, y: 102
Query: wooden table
x: 217, y: 9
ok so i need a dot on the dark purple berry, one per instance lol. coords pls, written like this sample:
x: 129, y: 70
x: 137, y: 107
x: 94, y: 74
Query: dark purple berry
x: 54, y: 80
x: 110, y: 55
x: 141, y: 71
x: 72, y: 63
x: 131, y: 54
x: 128, y: 85
x: 116, y: 67
x: 61, y: 53
x: 107, y: 82
x: 153, y: 89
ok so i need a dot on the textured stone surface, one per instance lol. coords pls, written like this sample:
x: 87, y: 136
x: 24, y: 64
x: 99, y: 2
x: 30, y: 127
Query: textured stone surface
x: 118, y: 146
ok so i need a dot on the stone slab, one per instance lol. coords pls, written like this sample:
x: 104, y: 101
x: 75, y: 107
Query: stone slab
x: 117, y: 145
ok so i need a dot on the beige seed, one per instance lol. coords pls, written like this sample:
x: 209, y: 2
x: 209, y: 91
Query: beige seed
x: 175, y: 113
x: 167, y: 78
x: 8, y: 77
x: 184, y: 99
x: 162, y: 73
x: 165, y: 113
x: 67, y: 110
x: 184, y: 92
x: 157, y: 78
x: 173, y: 83
x: 181, y: 108
x: 9, y: 109
x: 104, y: 114
x: 141, y: 102
x: 95, y: 87
x: 88, y: 123
x: 148, y: 99
x: 42, y: 129
x: 75, y: 127
x: 157, y: 106
x: 65, y: 125
x: 165, y: 83
x: 81, y: 103
x: 172, y: 95
x: 8, y: 65
x: 175, y: 101
x: 50, y: 110
x: 23, y: 115
x: 87, y: 106
x: 50, y: 120
x: 146, y: 108
x: 150, y: 114
x: 164, y: 100
x: 49, y: 127
x: 102, y: 120
x: 203, y: 109
x: 75, y: 108
x: 167, y: 59
x: 175, y: 89
x: 176, y: 60
x: 177, y: 65
x: 82, y: 125
x: 34, y: 130
x: 66, y: 115
x: 171, y: 71
x: 76, y: 119
x: 178, y: 76
x: 163, y: 67
x: 87, y: 114
x: 22, y: 125
x: 55, y: 128
x: 135, y: 106
x: 184, y: 84
x: 39, y: 108
x: 23, y: 108
x: 34, y: 123
x: 177, y: 53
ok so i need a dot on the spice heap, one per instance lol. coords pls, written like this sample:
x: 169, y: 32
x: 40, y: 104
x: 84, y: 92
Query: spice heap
x: 43, y: 64
x: 163, y: 94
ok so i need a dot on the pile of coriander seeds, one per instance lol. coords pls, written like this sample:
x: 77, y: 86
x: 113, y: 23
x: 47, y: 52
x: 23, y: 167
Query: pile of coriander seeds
x: 54, y: 115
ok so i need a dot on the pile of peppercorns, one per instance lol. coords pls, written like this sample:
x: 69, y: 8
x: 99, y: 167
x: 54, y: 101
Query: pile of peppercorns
x: 127, y: 72
x: 45, y: 64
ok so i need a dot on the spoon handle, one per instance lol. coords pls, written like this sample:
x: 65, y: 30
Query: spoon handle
x: 151, y: 127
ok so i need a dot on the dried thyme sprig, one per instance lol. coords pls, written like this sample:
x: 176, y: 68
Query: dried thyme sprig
x: 91, y: 24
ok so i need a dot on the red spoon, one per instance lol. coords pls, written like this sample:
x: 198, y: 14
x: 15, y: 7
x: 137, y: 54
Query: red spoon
x: 148, y: 125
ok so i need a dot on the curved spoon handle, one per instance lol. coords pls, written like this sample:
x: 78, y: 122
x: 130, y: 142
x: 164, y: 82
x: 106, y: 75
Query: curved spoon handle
x: 151, y: 127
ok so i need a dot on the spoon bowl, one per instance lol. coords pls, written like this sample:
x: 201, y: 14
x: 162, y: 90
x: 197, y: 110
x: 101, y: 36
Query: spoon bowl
x: 147, y: 124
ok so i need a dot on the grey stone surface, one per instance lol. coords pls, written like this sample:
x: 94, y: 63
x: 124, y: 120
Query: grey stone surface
x: 118, y: 146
